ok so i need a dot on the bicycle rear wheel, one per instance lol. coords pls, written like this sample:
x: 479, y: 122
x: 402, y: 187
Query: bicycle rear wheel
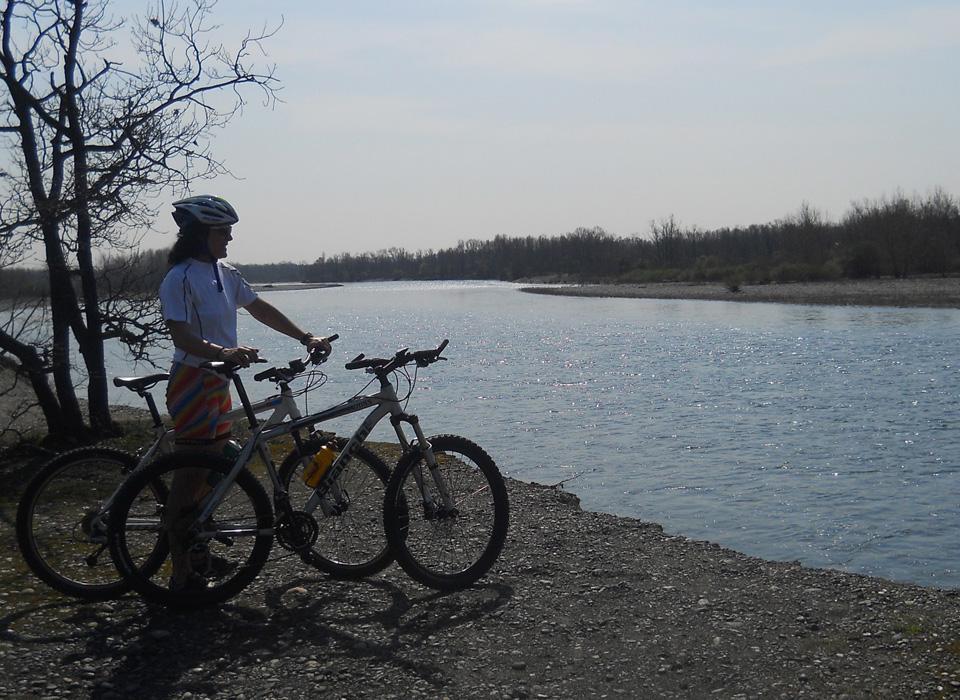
x: 233, y: 543
x: 446, y: 544
x: 350, y: 543
x: 62, y: 521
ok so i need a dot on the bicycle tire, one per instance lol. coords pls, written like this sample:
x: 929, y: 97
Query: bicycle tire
x: 350, y: 543
x: 62, y: 518
x: 447, y: 551
x: 241, y: 530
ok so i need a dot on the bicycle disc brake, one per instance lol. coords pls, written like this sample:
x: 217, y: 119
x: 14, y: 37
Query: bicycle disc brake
x: 297, y: 531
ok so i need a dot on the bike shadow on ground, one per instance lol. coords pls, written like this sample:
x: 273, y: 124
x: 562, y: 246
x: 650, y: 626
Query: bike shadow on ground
x: 127, y: 647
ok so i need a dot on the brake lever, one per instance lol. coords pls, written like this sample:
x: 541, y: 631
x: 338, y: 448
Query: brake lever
x: 318, y: 357
x: 426, y: 361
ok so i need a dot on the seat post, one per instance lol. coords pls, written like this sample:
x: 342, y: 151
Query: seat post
x: 152, y: 405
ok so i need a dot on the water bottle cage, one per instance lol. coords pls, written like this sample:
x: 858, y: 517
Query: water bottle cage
x: 323, y: 437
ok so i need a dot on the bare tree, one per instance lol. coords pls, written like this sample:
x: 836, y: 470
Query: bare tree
x: 95, y: 142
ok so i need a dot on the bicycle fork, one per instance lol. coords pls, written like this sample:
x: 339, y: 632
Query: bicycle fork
x: 432, y: 509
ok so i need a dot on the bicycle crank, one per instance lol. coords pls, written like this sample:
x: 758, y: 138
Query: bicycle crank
x: 297, y: 531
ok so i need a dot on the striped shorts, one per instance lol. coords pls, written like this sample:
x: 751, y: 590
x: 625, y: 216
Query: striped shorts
x: 197, y: 401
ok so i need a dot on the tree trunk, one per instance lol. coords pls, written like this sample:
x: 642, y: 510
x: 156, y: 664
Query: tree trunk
x: 92, y: 343
x: 63, y: 302
x: 65, y: 314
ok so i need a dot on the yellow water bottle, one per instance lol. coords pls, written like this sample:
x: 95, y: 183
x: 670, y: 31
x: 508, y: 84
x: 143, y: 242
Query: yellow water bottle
x: 318, y: 466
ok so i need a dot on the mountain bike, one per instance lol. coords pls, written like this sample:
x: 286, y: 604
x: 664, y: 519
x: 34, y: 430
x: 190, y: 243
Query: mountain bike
x: 63, y: 514
x: 444, y: 510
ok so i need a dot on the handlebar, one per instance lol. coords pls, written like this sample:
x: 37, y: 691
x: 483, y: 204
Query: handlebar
x: 382, y: 365
x: 277, y: 374
x: 378, y: 365
x: 295, y: 367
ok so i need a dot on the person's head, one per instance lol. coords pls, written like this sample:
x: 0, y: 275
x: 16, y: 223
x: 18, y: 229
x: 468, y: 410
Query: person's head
x: 205, y: 225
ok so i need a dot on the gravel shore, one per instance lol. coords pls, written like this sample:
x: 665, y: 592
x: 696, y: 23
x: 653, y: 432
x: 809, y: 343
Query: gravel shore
x: 580, y: 605
x: 917, y: 292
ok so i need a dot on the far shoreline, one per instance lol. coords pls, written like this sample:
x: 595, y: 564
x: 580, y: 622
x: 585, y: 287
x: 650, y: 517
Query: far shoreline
x: 931, y: 292
x: 291, y: 286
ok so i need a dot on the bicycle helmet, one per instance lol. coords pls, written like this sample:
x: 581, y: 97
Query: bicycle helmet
x: 204, y: 209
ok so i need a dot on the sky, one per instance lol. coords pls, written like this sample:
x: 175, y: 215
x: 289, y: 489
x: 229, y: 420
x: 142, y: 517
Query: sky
x: 420, y: 123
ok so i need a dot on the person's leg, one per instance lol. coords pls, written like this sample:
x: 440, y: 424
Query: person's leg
x: 195, y: 401
x: 201, y: 560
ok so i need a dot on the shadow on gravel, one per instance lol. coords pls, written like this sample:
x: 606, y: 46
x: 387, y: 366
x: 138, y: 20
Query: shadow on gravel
x: 307, y: 625
x: 378, y: 619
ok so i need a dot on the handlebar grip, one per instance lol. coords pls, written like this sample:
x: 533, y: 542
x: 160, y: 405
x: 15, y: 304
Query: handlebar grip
x: 265, y: 374
x: 443, y: 345
x: 331, y: 338
x: 355, y: 362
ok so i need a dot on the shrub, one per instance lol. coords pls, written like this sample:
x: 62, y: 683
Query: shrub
x: 862, y: 260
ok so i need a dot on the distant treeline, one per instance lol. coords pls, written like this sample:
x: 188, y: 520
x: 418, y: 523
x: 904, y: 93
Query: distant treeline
x: 897, y: 236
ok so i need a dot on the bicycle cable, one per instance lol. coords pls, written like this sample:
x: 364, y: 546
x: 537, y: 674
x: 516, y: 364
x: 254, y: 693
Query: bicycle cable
x: 363, y: 388
x: 315, y: 379
x: 411, y: 383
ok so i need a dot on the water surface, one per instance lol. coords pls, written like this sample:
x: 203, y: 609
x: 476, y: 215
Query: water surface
x: 824, y: 434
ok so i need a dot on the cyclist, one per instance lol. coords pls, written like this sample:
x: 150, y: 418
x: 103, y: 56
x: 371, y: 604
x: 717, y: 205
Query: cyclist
x: 200, y: 296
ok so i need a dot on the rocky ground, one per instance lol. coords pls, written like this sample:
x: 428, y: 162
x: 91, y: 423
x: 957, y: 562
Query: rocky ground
x: 580, y: 605
x: 917, y: 292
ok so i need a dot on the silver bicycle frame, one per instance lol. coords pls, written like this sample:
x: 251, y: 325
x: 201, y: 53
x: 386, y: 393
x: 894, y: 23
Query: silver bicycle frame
x: 385, y: 402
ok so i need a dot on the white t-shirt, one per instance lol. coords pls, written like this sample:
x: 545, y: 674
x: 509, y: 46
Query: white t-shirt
x: 206, y: 296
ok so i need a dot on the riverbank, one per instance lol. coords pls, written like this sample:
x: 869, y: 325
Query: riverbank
x: 916, y: 292
x: 580, y: 604
x: 292, y: 286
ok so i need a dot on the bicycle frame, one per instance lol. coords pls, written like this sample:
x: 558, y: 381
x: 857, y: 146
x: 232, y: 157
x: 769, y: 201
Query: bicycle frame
x: 281, y: 406
x: 385, y: 402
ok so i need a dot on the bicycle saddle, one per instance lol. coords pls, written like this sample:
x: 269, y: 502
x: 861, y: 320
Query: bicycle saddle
x: 140, y: 383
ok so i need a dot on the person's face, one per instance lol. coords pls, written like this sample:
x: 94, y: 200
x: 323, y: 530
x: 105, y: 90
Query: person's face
x: 217, y: 241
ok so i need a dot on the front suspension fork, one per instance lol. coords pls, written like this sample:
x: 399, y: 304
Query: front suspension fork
x: 429, y: 502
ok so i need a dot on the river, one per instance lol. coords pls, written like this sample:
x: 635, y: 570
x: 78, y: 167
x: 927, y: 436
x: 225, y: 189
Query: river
x: 829, y: 435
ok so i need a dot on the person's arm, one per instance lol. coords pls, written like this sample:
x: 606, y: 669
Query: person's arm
x: 271, y: 316
x: 186, y: 339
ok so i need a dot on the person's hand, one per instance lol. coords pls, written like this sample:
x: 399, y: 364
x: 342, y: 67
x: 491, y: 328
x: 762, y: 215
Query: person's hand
x: 316, y: 342
x: 242, y: 355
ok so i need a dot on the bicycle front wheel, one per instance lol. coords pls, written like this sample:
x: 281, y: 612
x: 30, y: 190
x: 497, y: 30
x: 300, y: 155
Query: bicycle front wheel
x: 226, y: 551
x: 62, y: 521
x: 349, y: 542
x: 446, y: 525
